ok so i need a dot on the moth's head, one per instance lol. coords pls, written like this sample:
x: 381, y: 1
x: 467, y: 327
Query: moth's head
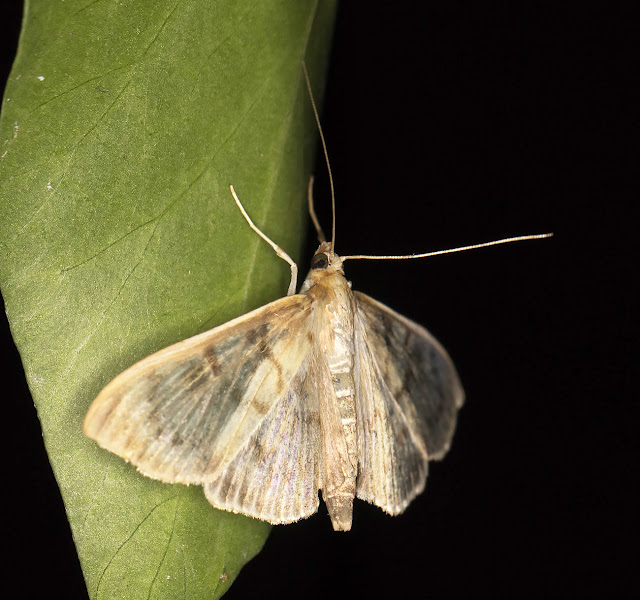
x: 326, y: 260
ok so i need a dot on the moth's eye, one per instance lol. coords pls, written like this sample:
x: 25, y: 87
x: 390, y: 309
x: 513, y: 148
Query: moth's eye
x: 320, y: 261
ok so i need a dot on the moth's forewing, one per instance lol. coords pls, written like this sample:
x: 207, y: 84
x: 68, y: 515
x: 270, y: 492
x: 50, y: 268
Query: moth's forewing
x: 186, y: 413
x: 408, y: 395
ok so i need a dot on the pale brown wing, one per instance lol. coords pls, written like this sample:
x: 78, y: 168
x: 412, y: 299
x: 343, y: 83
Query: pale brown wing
x: 408, y: 395
x: 275, y: 475
x: 237, y: 397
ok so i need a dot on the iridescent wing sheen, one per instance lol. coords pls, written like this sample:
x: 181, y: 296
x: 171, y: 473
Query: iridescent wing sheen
x: 234, y: 408
x: 408, y: 395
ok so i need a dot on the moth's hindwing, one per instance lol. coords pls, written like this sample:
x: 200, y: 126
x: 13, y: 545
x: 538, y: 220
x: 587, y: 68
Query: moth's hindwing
x: 234, y: 408
x: 275, y: 475
x: 408, y: 395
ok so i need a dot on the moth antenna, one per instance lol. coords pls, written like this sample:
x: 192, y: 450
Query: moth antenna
x: 312, y: 213
x: 326, y: 158
x: 521, y: 238
x: 279, y: 251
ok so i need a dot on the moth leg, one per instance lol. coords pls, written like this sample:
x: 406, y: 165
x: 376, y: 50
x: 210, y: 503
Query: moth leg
x: 312, y: 213
x: 279, y: 251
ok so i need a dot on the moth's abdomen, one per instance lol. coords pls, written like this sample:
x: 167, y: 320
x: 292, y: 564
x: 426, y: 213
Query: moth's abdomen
x: 341, y: 368
x: 339, y: 348
x: 334, y: 303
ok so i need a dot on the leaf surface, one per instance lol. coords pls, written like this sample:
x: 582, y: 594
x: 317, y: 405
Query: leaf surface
x: 123, y: 125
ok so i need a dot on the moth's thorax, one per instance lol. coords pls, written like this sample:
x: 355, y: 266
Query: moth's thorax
x: 333, y: 310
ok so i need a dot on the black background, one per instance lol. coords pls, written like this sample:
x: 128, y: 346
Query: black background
x: 449, y: 125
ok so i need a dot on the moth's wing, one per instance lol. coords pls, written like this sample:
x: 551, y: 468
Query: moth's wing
x: 190, y: 412
x: 408, y: 396
x: 275, y: 475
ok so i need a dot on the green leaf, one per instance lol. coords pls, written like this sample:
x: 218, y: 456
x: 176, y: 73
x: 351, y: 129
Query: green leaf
x: 123, y: 124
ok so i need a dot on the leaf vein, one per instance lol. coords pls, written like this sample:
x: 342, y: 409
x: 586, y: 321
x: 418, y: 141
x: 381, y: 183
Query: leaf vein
x: 101, y: 319
x: 128, y: 539
x: 72, y: 89
x: 68, y: 164
x: 65, y: 270
x: 166, y: 549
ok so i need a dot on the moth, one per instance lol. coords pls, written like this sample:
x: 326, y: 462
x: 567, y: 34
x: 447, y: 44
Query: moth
x: 325, y: 389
